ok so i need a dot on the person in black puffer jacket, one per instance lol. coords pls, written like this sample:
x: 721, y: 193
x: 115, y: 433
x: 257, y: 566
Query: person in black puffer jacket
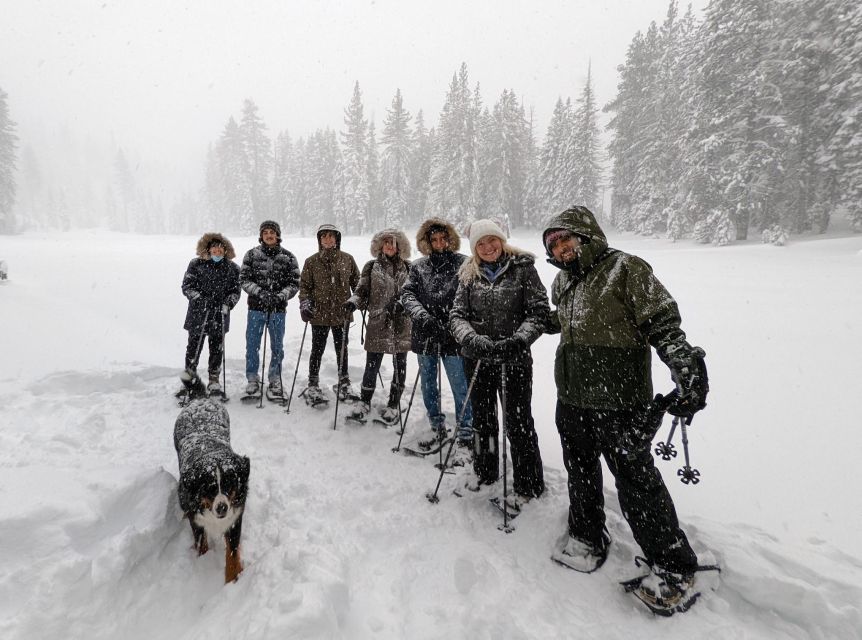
x: 270, y: 277
x: 500, y: 309
x: 211, y: 284
x: 427, y: 297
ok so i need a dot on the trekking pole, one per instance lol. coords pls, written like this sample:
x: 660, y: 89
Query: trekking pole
x: 223, y: 358
x: 198, y: 349
x: 296, y: 371
x: 340, y: 365
x: 409, y: 404
x: 687, y: 475
x: 505, y: 526
x: 263, y: 359
x: 666, y: 449
x: 403, y: 380
x: 432, y: 498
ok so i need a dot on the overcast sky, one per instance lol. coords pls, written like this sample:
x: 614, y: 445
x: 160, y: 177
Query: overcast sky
x: 163, y: 76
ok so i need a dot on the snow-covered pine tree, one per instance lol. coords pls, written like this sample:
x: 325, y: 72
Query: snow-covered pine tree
x: 233, y: 163
x: 397, y: 153
x: 282, y: 161
x: 258, y: 164
x: 585, y: 147
x: 297, y: 189
x: 374, y: 215
x: 548, y: 191
x: 512, y: 137
x: 125, y: 194
x: 419, y: 173
x: 354, y: 140
x: 8, y: 146
x: 531, y: 169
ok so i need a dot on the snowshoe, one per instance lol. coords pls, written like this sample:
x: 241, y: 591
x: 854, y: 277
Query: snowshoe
x: 432, y: 437
x: 427, y: 443
x: 314, y: 396
x: 358, y: 413
x: 388, y: 417
x: 193, y: 388
x: 504, y: 507
x: 663, y: 592
x: 345, y: 391
x: 274, y: 392
x: 252, y: 392
x: 573, y: 553
x: 467, y: 482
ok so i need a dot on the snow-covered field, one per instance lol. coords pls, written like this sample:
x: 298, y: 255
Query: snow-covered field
x: 338, y: 539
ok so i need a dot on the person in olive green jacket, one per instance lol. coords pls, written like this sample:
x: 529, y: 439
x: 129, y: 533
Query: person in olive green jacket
x: 610, y: 310
x: 328, y: 278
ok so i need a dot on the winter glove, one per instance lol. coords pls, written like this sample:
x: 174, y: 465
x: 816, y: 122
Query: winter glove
x: 508, y: 347
x: 639, y: 436
x: 349, y: 306
x: 482, y: 346
x: 438, y: 330
x: 394, y: 307
x: 268, y: 300
x: 306, y: 310
x: 688, y: 370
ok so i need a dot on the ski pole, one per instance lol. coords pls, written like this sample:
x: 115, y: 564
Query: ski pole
x: 198, y: 350
x: 263, y: 359
x: 296, y: 371
x: 410, y: 404
x: 666, y: 449
x: 432, y: 498
x: 505, y: 526
x: 687, y: 475
x: 341, y: 364
x: 223, y: 358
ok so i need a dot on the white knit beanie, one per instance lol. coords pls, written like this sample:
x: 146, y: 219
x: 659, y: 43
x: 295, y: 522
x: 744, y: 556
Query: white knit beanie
x: 481, y: 228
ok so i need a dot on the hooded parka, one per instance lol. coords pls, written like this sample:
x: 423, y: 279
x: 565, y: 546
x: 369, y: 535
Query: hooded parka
x: 209, y: 285
x: 328, y: 279
x: 430, y: 289
x: 379, y: 288
x: 609, y: 308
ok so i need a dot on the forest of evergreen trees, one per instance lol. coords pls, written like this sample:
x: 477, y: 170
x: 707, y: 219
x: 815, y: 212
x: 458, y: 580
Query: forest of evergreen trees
x: 746, y: 121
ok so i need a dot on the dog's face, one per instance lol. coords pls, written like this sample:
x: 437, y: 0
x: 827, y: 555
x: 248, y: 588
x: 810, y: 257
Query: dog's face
x: 220, y: 490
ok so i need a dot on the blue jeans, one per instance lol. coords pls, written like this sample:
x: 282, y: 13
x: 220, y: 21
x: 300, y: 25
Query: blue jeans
x: 253, y: 332
x: 454, y: 367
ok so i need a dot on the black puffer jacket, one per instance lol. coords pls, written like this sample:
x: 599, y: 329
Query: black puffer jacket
x: 273, y: 269
x: 427, y: 296
x: 515, y: 304
x: 209, y: 285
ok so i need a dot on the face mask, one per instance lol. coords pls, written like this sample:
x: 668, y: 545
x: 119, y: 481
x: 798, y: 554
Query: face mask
x: 217, y: 258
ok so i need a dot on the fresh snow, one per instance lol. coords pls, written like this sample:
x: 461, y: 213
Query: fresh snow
x: 338, y: 538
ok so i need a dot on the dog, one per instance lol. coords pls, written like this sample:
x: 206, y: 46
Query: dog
x: 213, y: 479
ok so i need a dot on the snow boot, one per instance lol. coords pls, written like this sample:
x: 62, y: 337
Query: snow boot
x: 580, y: 555
x: 427, y: 439
x: 274, y: 391
x: 194, y: 386
x: 314, y: 396
x: 252, y: 388
x: 359, y: 412
x: 345, y: 391
x: 389, y: 416
x: 214, y: 388
x: 664, y: 592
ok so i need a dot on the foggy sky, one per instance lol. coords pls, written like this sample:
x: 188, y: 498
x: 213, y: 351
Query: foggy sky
x: 161, y: 77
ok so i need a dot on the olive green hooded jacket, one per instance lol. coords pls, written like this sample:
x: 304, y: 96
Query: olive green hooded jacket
x: 609, y: 309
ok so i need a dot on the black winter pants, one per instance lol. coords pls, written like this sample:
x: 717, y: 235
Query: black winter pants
x: 369, y: 377
x: 520, y: 428
x: 319, y: 334
x: 646, y: 504
x: 195, y: 347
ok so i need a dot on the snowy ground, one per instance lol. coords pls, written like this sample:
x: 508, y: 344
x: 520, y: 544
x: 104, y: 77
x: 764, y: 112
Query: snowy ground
x: 339, y: 541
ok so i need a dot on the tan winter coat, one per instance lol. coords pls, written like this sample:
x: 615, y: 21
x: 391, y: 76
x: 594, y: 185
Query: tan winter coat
x: 328, y: 278
x: 379, y: 291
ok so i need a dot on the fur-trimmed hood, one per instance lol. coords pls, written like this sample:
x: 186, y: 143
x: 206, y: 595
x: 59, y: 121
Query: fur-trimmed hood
x: 423, y: 243
x: 469, y: 271
x: 401, y: 242
x: 203, y: 243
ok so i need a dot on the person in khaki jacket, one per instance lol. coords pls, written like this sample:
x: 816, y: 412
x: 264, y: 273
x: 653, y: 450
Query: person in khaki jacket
x: 379, y: 292
x: 328, y: 278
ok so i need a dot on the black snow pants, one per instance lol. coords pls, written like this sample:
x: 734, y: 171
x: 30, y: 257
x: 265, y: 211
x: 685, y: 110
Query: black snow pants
x: 520, y: 428
x: 644, y: 499
x: 373, y: 361
x: 195, y: 347
x: 319, y: 334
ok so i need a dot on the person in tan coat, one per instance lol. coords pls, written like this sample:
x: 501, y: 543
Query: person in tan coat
x: 328, y: 279
x: 379, y: 293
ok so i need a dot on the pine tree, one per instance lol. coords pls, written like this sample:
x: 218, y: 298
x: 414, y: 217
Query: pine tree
x: 585, y: 147
x: 422, y: 149
x: 8, y: 145
x: 282, y: 166
x: 125, y: 193
x: 374, y: 215
x: 548, y: 191
x: 258, y: 163
x: 397, y: 155
x: 354, y: 140
x: 235, y: 172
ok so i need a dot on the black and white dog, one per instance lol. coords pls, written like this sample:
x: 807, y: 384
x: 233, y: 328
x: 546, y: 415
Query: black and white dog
x: 213, y: 479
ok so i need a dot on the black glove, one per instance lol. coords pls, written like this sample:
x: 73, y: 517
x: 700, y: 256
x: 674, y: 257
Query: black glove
x: 438, y: 330
x: 508, y: 347
x: 394, y: 308
x: 306, y: 310
x: 268, y: 300
x: 348, y: 307
x: 482, y: 346
x: 688, y: 370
